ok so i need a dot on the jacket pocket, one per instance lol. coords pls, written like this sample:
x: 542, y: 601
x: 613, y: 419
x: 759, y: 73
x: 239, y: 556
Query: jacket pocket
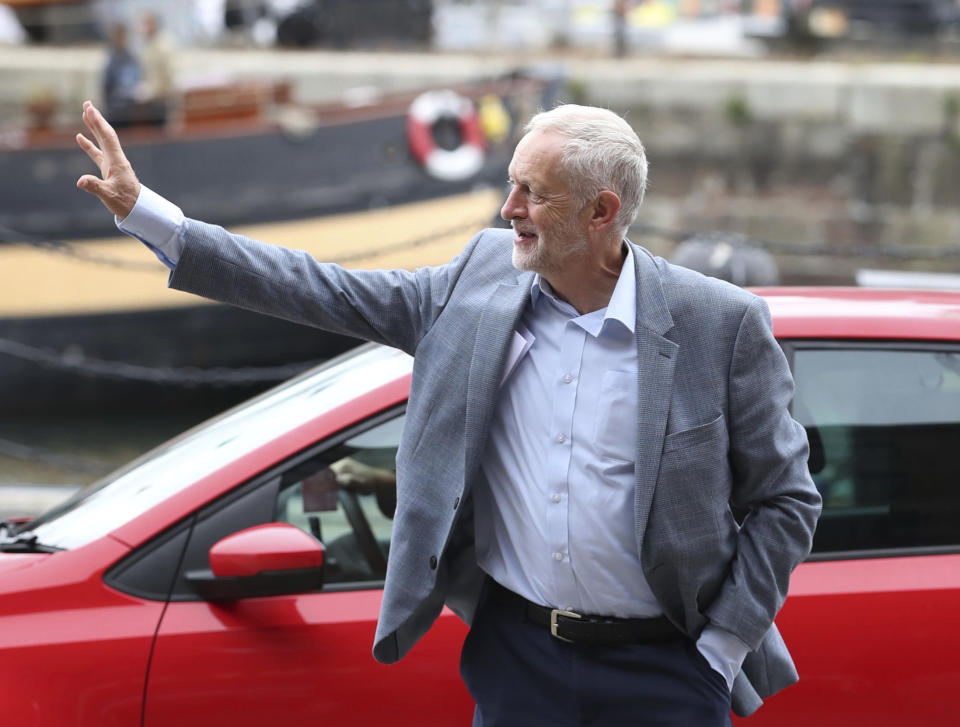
x: 697, y: 435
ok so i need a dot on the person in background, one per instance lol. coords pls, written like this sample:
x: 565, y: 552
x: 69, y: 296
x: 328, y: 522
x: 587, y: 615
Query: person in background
x: 121, y: 78
x: 156, y: 90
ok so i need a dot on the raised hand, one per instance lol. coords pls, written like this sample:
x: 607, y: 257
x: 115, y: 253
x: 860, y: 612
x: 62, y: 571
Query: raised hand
x: 119, y: 187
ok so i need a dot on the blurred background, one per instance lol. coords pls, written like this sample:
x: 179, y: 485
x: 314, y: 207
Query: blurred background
x: 800, y: 142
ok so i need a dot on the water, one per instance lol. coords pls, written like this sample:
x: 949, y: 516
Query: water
x: 69, y: 450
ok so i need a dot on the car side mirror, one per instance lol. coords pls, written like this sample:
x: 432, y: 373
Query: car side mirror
x: 274, y: 559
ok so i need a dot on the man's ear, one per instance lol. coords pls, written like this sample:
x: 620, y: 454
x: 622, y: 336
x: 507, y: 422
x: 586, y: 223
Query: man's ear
x: 605, y: 208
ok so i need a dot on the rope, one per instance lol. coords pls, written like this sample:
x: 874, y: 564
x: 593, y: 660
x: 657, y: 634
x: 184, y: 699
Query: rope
x: 70, y: 250
x: 224, y: 376
x: 177, y: 376
x: 189, y: 376
x: 822, y: 249
x: 75, y: 251
x: 65, y: 462
x: 903, y: 252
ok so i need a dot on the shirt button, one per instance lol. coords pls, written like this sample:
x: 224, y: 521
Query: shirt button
x: 561, y: 438
x: 556, y: 497
x: 433, y: 562
x: 567, y: 379
x: 558, y: 556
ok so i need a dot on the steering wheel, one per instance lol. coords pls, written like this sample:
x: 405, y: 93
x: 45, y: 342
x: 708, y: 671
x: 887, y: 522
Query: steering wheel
x: 366, y: 540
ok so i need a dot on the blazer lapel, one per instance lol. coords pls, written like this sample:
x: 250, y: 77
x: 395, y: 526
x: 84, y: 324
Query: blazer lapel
x: 656, y: 356
x: 495, y: 329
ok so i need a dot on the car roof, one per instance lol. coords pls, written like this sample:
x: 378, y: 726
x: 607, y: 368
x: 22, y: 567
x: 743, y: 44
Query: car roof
x: 864, y: 313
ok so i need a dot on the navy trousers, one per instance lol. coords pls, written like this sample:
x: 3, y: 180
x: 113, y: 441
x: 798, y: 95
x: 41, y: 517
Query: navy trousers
x: 521, y: 676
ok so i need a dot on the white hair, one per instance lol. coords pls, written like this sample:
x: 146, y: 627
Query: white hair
x: 602, y: 151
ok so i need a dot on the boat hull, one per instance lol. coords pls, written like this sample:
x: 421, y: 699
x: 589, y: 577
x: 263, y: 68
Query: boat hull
x: 246, y: 177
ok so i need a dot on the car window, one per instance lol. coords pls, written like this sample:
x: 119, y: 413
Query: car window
x: 884, y: 429
x: 346, y: 497
x: 342, y: 491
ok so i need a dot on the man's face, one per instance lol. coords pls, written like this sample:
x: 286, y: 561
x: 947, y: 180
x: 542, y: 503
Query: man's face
x: 149, y: 26
x: 548, y: 221
x: 118, y: 36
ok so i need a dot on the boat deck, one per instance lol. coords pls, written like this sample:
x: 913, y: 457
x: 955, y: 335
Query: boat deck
x: 43, y: 282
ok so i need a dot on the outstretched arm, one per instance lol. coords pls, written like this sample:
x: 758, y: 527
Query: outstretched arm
x: 118, y: 186
x: 393, y: 307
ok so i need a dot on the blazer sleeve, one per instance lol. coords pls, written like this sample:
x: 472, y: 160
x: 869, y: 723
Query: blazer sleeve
x: 394, y: 307
x: 768, y: 458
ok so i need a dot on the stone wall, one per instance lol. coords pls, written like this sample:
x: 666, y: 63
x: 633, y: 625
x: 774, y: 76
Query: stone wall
x: 845, y: 169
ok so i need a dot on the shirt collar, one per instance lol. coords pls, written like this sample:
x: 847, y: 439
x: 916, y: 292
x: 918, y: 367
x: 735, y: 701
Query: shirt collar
x: 623, y: 302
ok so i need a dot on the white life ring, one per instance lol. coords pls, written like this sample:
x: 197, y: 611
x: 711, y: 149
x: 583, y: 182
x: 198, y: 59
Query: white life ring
x: 449, y: 165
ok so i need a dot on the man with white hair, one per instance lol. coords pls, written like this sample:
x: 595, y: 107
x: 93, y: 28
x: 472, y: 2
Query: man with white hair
x: 584, y: 420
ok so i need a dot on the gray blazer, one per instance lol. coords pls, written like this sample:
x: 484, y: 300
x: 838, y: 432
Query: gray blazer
x: 712, y: 431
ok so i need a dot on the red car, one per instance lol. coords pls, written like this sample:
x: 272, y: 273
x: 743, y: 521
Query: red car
x: 192, y: 587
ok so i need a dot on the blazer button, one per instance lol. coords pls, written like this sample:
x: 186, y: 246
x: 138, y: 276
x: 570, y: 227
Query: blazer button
x: 433, y: 562
x: 456, y: 503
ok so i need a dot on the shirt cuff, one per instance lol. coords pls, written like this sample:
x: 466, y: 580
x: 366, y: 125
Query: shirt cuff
x: 723, y: 651
x: 157, y: 223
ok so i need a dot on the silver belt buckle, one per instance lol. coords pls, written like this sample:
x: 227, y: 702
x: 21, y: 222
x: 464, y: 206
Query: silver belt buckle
x: 553, y: 622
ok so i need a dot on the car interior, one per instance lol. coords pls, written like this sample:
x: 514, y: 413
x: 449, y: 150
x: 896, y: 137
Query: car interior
x: 883, y: 425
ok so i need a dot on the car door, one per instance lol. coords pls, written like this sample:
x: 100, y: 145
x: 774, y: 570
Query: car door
x: 871, y: 616
x: 305, y: 658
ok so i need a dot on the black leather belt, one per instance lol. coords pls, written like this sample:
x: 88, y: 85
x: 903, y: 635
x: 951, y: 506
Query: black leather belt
x: 578, y: 628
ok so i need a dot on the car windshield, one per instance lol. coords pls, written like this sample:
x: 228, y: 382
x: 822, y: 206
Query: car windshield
x: 129, y: 492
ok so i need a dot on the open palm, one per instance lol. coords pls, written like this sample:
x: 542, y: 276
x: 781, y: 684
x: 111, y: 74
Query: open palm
x: 117, y: 187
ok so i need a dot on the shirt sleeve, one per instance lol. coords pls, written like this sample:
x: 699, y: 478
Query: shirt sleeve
x: 157, y: 223
x: 723, y: 651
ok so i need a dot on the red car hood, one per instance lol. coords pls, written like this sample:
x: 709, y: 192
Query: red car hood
x: 16, y: 561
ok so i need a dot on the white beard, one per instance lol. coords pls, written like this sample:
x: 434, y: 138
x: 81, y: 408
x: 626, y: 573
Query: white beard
x: 550, y: 255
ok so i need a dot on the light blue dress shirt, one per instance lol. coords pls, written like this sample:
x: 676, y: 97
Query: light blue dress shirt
x: 555, y: 513
x: 555, y: 520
